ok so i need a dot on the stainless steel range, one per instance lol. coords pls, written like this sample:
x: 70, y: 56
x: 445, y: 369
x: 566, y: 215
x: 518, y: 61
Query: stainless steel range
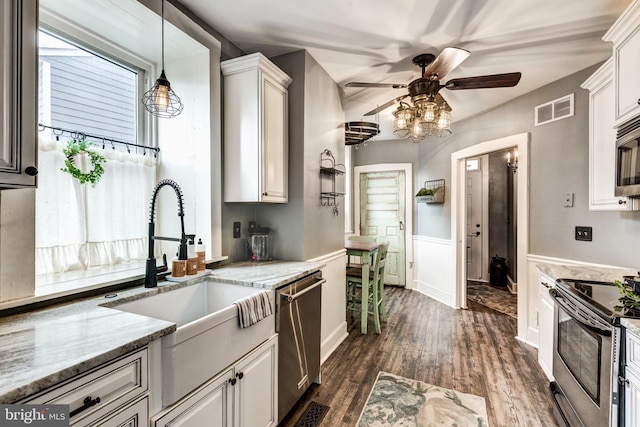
x: 587, y: 352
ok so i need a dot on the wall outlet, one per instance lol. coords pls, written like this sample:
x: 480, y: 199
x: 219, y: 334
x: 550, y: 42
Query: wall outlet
x: 584, y: 233
x: 236, y: 230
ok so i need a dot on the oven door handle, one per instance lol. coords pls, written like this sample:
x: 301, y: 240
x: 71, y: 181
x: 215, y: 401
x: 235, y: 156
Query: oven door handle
x: 586, y: 321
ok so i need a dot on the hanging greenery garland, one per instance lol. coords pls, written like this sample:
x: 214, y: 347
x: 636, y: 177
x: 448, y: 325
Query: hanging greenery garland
x: 74, y: 148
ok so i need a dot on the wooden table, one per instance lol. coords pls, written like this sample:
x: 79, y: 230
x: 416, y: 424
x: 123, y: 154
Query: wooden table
x: 364, y: 250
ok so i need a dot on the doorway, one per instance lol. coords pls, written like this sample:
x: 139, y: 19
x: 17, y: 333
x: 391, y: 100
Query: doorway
x: 383, y: 197
x: 459, y: 222
x: 490, y: 224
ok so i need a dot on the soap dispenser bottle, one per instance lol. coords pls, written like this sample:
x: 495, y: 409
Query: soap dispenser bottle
x: 200, y: 253
x: 178, y: 267
x: 192, y: 258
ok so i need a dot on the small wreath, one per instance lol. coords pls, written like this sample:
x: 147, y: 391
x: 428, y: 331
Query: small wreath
x: 76, y: 147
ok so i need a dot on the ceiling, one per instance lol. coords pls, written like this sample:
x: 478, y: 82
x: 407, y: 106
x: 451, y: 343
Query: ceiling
x: 375, y: 40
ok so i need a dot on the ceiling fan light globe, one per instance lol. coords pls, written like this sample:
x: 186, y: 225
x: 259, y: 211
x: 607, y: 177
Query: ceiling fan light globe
x: 444, y: 120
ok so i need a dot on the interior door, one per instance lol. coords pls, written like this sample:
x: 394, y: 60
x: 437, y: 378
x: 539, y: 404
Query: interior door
x: 474, y: 219
x: 382, y: 214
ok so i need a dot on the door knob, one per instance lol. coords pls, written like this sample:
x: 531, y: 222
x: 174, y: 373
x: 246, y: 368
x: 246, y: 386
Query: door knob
x: 477, y: 233
x: 401, y: 225
x: 477, y: 225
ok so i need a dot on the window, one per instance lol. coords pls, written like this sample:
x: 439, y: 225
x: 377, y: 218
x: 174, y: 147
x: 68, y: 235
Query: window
x: 80, y: 226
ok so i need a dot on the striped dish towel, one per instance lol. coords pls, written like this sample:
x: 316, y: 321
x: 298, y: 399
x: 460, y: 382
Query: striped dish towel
x: 253, y: 308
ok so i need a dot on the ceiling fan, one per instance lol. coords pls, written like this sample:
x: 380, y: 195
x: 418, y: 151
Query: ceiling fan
x: 427, y: 86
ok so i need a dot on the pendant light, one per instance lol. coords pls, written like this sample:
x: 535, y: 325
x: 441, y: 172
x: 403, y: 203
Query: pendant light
x: 161, y: 100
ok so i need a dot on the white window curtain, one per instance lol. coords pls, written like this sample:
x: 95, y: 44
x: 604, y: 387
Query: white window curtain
x: 79, y: 226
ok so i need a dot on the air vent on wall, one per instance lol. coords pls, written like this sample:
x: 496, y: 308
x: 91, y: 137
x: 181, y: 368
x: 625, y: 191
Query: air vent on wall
x: 557, y: 109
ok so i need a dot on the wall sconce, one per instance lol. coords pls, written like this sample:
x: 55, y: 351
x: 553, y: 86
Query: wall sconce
x: 513, y: 166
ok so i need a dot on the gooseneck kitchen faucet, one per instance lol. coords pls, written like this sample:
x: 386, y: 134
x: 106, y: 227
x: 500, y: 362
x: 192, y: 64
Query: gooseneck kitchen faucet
x: 151, y: 280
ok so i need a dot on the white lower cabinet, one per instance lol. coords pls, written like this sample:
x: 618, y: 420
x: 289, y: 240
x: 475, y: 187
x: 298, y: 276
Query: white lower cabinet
x: 545, y: 326
x: 245, y: 395
x: 98, y: 397
x: 135, y: 415
x: 632, y: 380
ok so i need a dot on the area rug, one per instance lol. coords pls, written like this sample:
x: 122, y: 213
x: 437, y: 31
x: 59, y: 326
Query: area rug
x: 399, y: 401
x: 494, y: 297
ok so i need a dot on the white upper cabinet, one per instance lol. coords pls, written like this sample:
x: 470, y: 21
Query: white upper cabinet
x: 255, y: 130
x: 602, y: 143
x: 625, y: 35
x: 18, y: 93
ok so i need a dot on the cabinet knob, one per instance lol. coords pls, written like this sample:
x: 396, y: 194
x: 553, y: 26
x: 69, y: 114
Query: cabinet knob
x: 31, y: 170
x: 240, y: 375
x: 638, y: 101
x: 265, y: 194
x: 232, y: 381
x: 622, y: 202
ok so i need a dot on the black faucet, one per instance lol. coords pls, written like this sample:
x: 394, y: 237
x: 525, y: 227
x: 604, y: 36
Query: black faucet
x: 151, y: 279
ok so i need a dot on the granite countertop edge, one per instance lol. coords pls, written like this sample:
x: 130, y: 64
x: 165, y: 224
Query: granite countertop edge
x: 18, y: 328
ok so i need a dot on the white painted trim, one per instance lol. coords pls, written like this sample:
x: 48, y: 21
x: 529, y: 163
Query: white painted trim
x: 333, y: 340
x: 433, y: 270
x: 458, y: 207
x: 330, y: 256
x: 552, y: 260
x: 333, y: 324
x: 408, y: 207
x: 511, y: 285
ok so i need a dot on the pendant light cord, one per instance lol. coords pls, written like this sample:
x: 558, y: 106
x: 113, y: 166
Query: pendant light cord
x: 162, y: 11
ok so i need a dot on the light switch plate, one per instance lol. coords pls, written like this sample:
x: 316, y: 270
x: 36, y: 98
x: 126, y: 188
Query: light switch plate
x: 568, y: 200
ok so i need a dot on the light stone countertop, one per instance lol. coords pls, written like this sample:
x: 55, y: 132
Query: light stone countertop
x: 43, y: 347
x: 601, y: 274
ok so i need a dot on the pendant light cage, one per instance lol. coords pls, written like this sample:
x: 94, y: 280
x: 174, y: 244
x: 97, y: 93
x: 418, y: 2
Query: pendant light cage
x: 161, y: 101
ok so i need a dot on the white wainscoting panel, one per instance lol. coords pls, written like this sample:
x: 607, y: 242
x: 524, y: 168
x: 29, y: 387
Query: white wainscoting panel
x: 333, y: 327
x: 434, y: 272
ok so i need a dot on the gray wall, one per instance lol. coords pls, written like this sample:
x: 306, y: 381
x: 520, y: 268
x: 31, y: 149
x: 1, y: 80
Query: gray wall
x: 559, y: 154
x: 302, y: 228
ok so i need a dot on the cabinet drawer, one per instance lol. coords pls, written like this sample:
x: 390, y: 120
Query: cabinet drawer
x: 633, y: 351
x: 135, y: 415
x: 114, y: 384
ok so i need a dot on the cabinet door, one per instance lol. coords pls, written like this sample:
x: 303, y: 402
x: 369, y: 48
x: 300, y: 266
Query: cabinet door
x: 256, y: 388
x: 627, y: 83
x: 631, y: 399
x: 18, y: 93
x: 274, y: 142
x: 545, y: 327
x: 208, y: 406
x: 602, y: 143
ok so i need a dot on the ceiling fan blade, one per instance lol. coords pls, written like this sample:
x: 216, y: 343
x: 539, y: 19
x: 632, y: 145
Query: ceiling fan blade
x: 385, y: 105
x: 484, y: 82
x: 448, y: 59
x: 382, y: 85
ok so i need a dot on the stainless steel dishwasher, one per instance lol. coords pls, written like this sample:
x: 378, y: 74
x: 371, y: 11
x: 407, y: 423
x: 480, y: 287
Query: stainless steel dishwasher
x: 298, y: 323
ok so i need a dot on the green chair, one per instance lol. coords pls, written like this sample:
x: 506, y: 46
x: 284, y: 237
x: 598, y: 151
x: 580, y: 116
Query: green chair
x: 376, y: 288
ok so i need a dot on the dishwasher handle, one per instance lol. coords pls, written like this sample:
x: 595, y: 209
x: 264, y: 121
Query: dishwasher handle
x: 292, y: 297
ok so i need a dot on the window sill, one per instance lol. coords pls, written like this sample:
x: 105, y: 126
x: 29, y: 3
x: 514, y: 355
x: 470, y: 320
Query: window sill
x: 54, y: 286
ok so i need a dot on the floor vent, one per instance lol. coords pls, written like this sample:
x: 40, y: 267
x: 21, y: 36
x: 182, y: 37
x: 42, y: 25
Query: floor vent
x: 557, y: 109
x: 313, y: 416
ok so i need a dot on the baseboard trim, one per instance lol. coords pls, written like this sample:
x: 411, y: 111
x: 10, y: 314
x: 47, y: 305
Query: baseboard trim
x: 435, y: 293
x: 511, y: 285
x: 332, y: 342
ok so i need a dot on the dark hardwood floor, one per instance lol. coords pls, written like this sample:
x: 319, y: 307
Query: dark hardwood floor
x: 471, y: 351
